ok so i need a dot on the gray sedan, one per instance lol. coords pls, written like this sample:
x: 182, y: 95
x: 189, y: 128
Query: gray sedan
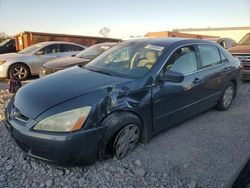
x: 80, y: 59
x: 28, y: 62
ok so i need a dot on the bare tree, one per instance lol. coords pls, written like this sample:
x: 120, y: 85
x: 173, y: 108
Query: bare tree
x: 104, y: 31
x: 3, y: 36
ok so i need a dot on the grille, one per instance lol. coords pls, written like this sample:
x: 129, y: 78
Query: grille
x: 15, y: 114
x: 246, y: 67
x: 243, y: 58
x: 21, y: 117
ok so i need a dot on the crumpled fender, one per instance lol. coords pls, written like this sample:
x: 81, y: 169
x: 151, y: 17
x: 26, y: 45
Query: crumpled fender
x: 123, y: 99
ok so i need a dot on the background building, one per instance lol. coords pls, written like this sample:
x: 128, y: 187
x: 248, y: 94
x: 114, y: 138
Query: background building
x: 235, y: 33
x: 166, y: 34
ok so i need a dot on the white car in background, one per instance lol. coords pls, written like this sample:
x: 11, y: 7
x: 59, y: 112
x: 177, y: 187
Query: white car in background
x: 28, y: 61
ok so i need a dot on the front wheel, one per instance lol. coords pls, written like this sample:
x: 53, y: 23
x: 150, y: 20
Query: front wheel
x: 19, y: 71
x: 126, y: 140
x: 227, y: 97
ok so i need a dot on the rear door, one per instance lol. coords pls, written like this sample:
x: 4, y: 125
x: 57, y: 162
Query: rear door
x: 173, y: 102
x: 213, y: 73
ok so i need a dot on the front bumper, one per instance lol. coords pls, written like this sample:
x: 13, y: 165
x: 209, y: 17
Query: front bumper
x: 81, y: 146
x: 3, y: 71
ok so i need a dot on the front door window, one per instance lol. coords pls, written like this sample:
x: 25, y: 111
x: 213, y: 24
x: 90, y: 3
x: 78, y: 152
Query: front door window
x: 183, y: 60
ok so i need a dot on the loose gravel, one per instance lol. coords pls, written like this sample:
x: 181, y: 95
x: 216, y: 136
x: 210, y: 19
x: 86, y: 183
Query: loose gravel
x: 202, y: 152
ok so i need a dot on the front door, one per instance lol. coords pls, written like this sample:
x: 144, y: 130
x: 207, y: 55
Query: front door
x: 48, y: 53
x: 173, y: 102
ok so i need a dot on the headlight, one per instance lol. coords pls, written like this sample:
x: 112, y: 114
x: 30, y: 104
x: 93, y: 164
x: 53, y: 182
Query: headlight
x: 2, y: 62
x: 64, y: 122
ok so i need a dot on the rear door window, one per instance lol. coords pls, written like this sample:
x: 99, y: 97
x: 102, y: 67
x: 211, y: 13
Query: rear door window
x: 209, y: 55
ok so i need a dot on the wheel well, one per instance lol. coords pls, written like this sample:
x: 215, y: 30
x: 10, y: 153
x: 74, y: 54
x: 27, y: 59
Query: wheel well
x: 24, y: 64
x: 127, y: 112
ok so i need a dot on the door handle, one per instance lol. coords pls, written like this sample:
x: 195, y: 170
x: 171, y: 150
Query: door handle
x: 197, y: 80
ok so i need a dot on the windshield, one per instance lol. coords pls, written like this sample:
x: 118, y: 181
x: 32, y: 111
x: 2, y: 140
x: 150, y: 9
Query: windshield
x: 4, y: 42
x: 128, y: 59
x: 31, y: 49
x: 93, y: 51
x: 245, y: 40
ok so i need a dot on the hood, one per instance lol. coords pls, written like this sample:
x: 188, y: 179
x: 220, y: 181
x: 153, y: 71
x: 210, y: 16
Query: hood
x: 240, y: 49
x: 10, y: 56
x: 64, y: 62
x: 44, y: 93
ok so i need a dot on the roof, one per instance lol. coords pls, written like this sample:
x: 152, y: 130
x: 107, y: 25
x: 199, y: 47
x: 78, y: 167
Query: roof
x: 215, y: 29
x: 106, y: 43
x: 168, y: 41
x: 59, y: 42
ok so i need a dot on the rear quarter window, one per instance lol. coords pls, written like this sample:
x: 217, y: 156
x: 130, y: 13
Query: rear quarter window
x: 224, y: 59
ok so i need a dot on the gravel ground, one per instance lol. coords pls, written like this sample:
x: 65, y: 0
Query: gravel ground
x: 203, y: 152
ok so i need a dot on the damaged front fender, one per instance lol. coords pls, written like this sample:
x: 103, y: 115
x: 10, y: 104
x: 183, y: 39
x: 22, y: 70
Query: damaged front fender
x: 119, y: 99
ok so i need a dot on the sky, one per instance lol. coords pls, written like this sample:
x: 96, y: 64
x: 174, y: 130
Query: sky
x: 124, y: 17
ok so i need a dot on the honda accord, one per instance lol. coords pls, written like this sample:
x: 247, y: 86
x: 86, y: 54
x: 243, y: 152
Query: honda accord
x: 125, y: 96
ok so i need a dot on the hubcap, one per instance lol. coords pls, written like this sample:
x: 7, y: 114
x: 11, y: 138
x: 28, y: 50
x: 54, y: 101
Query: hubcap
x: 228, y: 96
x: 126, y: 141
x: 19, y: 72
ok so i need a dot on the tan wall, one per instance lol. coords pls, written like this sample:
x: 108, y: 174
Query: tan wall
x: 166, y: 34
x: 234, y: 34
x: 25, y: 39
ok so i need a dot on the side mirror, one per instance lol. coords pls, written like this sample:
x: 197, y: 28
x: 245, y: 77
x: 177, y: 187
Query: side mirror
x: 73, y: 55
x: 39, y: 53
x: 172, y: 76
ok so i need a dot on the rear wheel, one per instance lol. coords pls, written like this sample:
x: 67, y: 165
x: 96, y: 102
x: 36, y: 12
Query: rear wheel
x: 227, y: 97
x: 19, y: 71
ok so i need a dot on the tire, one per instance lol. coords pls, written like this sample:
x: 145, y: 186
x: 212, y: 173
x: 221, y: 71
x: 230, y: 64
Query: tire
x: 19, y: 71
x: 227, y: 97
x: 126, y: 140
x: 118, y: 122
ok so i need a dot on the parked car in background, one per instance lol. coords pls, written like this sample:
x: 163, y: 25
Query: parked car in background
x: 80, y: 59
x: 8, y: 46
x: 242, y: 51
x: 127, y: 94
x: 28, y: 62
x: 226, y: 43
